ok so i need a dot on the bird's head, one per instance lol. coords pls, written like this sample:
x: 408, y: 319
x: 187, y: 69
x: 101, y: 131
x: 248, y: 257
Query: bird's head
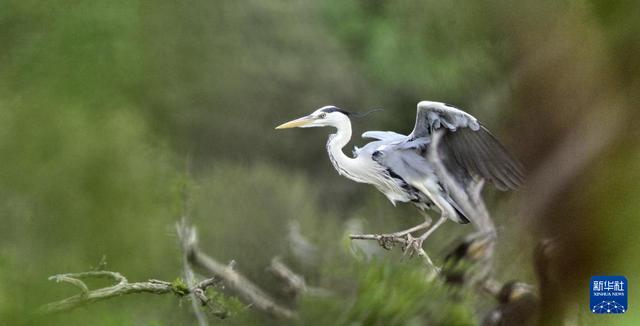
x: 326, y: 116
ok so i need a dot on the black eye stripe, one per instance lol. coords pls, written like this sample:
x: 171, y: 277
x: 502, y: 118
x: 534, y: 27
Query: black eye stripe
x: 336, y: 109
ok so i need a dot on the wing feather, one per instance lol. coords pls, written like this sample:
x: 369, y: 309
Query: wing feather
x: 468, y: 147
x: 437, y: 115
x: 383, y: 135
x: 480, y: 153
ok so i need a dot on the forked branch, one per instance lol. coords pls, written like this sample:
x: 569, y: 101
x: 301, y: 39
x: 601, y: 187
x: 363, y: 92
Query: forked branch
x: 192, y: 255
x: 246, y: 289
x: 121, y: 287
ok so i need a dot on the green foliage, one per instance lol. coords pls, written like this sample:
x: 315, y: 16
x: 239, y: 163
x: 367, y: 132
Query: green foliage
x: 179, y: 287
x: 229, y: 306
x: 219, y: 305
x: 447, y: 49
x: 391, y: 294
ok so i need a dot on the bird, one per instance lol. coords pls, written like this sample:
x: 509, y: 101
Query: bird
x: 398, y: 166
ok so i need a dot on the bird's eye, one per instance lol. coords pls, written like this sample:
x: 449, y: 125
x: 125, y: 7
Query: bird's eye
x: 322, y: 115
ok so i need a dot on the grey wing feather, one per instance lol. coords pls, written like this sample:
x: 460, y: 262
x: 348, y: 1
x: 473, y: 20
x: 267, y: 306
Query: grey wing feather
x: 382, y: 138
x: 480, y: 153
x: 383, y: 135
x: 436, y: 115
x: 467, y: 147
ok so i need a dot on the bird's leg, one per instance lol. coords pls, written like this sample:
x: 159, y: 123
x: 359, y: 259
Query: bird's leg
x: 416, y: 243
x: 418, y: 227
x: 421, y: 226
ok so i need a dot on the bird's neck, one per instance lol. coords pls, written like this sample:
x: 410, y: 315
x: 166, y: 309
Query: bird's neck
x: 341, y: 162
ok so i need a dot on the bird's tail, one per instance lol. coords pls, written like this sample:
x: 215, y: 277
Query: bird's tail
x: 460, y: 217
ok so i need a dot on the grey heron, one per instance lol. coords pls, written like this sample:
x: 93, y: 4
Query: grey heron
x: 397, y: 164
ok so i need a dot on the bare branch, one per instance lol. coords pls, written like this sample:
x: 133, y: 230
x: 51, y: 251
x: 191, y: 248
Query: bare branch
x: 74, y: 281
x: 117, y: 277
x: 243, y: 286
x: 196, y: 290
x: 294, y: 283
x: 387, y: 241
x: 121, y: 288
x: 302, y: 249
x: 214, y: 281
x: 187, y: 235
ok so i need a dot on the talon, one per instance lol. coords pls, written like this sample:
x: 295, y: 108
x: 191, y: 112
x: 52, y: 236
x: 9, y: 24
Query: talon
x: 406, y: 247
x: 412, y: 246
x: 386, y: 242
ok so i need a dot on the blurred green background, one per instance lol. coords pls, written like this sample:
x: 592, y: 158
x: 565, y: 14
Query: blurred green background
x: 109, y: 110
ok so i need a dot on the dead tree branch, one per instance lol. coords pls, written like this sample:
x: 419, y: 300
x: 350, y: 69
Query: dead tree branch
x: 294, y: 283
x: 189, y: 276
x: 387, y: 241
x: 122, y: 287
x: 192, y: 255
x: 246, y: 289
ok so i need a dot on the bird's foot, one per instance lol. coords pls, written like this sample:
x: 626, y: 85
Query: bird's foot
x: 387, y: 241
x: 412, y: 245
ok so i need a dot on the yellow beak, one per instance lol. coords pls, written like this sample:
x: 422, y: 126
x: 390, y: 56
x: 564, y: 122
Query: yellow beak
x: 296, y: 123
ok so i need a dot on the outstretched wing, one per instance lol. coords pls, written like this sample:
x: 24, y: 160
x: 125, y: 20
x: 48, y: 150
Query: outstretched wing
x: 467, y: 146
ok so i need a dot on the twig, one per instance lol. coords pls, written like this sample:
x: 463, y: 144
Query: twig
x: 184, y: 235
x: 122, y: 287
x: 191, y: 256
x: 243, y: 286
x: 63, y: 278
x: 294, y: 283
x: 302, y: 249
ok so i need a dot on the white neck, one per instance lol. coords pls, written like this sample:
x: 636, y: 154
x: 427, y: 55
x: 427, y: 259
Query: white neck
x: 342, y: 163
